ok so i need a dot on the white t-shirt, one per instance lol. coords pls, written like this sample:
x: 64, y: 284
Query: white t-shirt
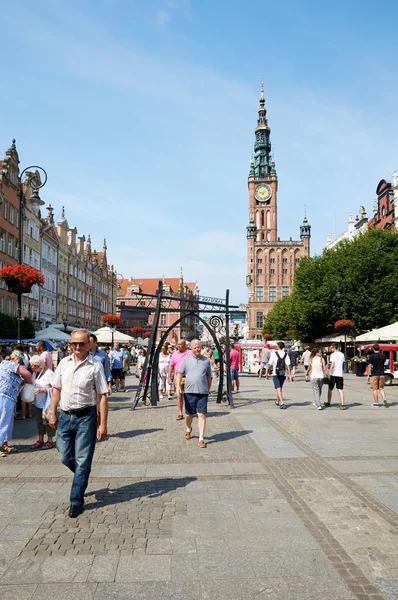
x: 338, y: 359
x: 273, y: 361
x: 42, y: 382
x: 306, y: 357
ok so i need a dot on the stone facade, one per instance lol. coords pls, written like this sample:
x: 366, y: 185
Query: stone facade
x: 79, y: 285
x: 271, y: 263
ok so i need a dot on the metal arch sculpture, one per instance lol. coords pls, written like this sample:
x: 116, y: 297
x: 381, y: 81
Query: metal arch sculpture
x: 186, y: 306
x: 154, y: 378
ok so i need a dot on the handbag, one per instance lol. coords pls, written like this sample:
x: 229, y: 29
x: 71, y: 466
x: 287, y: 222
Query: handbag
x: 45, y: 411
x: 27, y: 394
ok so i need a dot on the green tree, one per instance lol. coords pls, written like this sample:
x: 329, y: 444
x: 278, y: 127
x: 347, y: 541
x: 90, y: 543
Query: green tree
x: 9, y: 328
x: 362, y: 275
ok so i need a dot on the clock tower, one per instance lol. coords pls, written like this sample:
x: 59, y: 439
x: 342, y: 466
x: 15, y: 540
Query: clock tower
x: 271, y: 263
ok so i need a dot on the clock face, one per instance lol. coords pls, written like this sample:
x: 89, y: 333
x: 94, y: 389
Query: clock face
x: 263, y: 193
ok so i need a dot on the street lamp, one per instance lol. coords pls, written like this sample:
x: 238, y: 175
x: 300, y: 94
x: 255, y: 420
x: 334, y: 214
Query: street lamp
x: 65, y: 322
x: 36, y: 202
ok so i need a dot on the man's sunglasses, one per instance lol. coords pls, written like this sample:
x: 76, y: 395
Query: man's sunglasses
x: 78, y: 344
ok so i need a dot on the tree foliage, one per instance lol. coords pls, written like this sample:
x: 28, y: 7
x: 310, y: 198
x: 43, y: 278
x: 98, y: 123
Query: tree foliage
x: 9, y: 328
x: 357, y: 280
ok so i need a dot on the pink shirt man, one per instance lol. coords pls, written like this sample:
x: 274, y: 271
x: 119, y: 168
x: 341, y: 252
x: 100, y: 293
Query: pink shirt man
x: 48, y: 359
x: 234, y: 358
x: 177, y: 358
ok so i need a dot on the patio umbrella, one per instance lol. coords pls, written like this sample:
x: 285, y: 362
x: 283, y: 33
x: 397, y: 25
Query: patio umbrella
x: 104, y: 335
x: 50, y: 333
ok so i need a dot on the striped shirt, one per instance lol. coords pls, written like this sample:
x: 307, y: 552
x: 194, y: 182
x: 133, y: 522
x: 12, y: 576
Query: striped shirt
x: 80, y: 382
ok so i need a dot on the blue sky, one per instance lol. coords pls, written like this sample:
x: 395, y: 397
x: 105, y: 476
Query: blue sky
x: 143, y: 114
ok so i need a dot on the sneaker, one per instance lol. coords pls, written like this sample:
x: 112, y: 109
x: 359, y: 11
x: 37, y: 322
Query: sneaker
x: 326, y: 404
x: 282, y: 406
x: 201, y: 443
x: 188, y: 434
x: 161, y: 396
x: 313, y: 404
x: 376, y: 404
x: 385, y: 403
x: 169, y: 397
x: 319, y: 408
x: 342, y: 407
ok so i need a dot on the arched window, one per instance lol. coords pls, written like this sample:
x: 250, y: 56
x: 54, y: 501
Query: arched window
x: 262, y: 219
x: 257, y: 219
x: 268, y: 219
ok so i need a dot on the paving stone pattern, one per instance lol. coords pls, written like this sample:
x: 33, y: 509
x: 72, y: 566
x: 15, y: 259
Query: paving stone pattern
x: 295, y: 504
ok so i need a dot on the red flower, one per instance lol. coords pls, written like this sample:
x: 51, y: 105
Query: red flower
x: 343, y: 324
x: 136, y: 331
x: 111, y: 320
x: 267, y: 336
x: 147, y: 334
x: 23, y: 276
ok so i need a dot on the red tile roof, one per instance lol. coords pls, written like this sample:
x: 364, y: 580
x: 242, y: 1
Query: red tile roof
x: 149, y: 286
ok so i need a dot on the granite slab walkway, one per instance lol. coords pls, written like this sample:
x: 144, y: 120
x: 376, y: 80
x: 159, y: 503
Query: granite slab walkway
x: 282, y: 505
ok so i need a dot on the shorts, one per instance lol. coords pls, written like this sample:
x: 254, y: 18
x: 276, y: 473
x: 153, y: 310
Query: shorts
x: 234, y: 374
x: 195, y: 403
x: 279, y: 380
x: 377, y: 382
x: 336, y: 381
x: 217, y: 361
x: 264, y: 365
x: 117, y: 374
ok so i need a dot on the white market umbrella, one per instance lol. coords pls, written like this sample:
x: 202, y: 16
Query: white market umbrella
x: 383, y: 334
x: 104, y: 336
x: 50, y: 333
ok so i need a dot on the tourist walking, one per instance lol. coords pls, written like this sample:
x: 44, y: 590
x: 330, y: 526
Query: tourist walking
x: 163, y: 372
x: 280, y: 363
x: 293, y: 361
x: 116, y: 358
x: 264, y: 360
x: 102, y: 357
x: 41, y: 348
x: 12, y: 374
x: 336, y: 375
x: 234, y: 365
x: 317, y: 371
x: 42, y: 377
x: 197, y: 371
x: 376, y: 375
x: 306, y: 358
x: 80, y: 391
x: 175, y: 362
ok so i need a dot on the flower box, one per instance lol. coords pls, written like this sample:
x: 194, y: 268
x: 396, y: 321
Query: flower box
x: 20, y: 278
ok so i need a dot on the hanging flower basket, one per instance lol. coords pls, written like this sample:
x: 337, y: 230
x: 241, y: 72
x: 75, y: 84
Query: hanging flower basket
x: 111, y: 320
x: 267, y: 336
x: 20, y: 279
x: 344, y: 325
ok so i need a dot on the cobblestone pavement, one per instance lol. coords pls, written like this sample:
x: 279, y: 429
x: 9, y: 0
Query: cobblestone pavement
x: 282, y: 505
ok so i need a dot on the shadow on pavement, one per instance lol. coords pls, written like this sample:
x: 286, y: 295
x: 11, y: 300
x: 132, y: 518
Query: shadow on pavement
x: 134, y: 433
x: 227, y: 435
x: 125, y: 493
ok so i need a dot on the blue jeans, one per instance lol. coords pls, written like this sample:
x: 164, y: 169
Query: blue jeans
x: 76, y: 437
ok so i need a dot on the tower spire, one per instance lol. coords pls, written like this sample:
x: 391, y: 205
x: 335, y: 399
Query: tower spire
x: 264, y: 163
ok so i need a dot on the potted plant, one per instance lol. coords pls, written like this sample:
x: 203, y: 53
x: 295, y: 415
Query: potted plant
x: 111, y: 320
x: 344, y: 326
x: 20, y: 278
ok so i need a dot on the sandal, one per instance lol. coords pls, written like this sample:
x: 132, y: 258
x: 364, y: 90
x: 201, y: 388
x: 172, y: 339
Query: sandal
x: 47, y: 446
x: 9, y: 449
x: 180, y: 418
x: 37, y: 445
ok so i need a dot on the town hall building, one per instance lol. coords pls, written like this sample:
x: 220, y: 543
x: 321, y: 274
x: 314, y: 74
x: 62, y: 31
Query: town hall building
x: 271, y: 263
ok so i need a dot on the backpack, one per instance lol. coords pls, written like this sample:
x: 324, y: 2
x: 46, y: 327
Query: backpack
x: 280, y: 368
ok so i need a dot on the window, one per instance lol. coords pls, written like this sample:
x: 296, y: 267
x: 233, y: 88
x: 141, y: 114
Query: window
x: 11, y: 217
x: 2, y: 241
x: 272, y: 260
x: 259, y: 271
x: 10, y: 245
x: 284, y: 271
x: 259, y: 261
x: 163, y: 320
x: 259, y: 294
x: 16, y: 250
x: 259, y: 320
x: 297, y: 260
x: 272, y: 271
x: 285, y: 291
x: 6, y: 210
x: 272, y: 293
x: 284, y: 260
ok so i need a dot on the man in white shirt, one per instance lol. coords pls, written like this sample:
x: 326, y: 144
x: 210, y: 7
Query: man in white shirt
x: 306, y: 358
x: 336, y: 375
x: 280, y: 363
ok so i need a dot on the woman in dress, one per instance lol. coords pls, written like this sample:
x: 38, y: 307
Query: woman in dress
x: 42, y: 377
x: 317, y: 371
x: 163, y: 370
x: 12, y: 374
